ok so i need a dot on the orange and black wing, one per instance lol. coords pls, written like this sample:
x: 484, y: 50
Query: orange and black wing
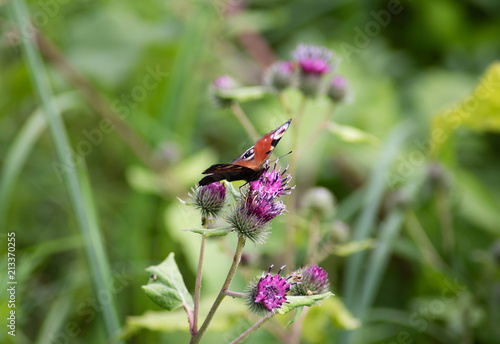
x: 230, y: 173
x: 255, y: 156
x: 248, y: 166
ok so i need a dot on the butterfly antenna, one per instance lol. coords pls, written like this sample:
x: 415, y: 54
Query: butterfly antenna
x: 290, y: 152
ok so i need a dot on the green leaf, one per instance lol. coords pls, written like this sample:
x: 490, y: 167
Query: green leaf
x: 344, y: 250
x: 351, y: 134
x: 210, y: 231
x: 168, y: 290
x: 480, y: 111
x: 299, y: 301
x: 243, y: 94
x: 339, y: 314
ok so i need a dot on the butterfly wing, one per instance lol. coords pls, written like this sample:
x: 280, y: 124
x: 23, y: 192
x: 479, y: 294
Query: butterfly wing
x: 228, y: 172
x: 255, y: 156
x: 248, y: 166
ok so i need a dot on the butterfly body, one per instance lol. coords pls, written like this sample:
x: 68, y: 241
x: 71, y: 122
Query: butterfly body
x: 249, y: 165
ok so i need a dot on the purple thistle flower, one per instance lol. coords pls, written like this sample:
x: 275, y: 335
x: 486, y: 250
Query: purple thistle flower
x: 280, y: 75
x: 337, y: 88
x: 309, y: 281
x: 209, y: 199
x: 313, y: 60
x: 268, y: 294
x: 252, y: 213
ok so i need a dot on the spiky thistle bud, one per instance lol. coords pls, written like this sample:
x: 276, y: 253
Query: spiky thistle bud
x: 319, y: 200
x: 280, y: 75
x: 268, y: 293
x: 337, y: 88
x: 309, y: 281
x: 209, y: 199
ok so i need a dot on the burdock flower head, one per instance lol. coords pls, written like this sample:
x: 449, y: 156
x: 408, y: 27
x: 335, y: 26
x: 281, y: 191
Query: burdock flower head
x: 250, y: 216
x: 309, y: 281
x: 209, y: 199
x: 217, y: 88
x: 337, y: 88
x: 268, y: 294
x: 314, y: 62
x: 280, y: 75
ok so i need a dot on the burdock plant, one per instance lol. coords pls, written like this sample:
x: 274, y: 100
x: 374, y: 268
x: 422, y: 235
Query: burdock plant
x: 250, y: 218
x: 255, y: 205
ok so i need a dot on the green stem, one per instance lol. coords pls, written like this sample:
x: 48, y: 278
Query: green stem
x: 197, y: 285
x: 292, y: 200
x: 234, y: 294
x: 297, y: 327
x: 245, y: 122
x: 314, y: 238
x: 222, y: 293
x: 284, y: 103
x: 314, y: 135
x: 252, y: 329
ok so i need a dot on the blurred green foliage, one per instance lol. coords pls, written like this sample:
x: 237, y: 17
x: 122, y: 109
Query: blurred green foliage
x: 428, y: 225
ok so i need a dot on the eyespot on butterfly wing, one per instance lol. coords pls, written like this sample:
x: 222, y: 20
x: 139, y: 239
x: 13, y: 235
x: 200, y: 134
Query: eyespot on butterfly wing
x: 249, y: 165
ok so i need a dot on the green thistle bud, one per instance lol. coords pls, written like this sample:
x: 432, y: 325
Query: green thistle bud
x: 210, y: 199
x: 280, y: 76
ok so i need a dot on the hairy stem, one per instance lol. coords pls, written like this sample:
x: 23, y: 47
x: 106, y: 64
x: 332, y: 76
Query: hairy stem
x: 314, y: 135
x: 253, y: 328
x: 236, y: 260
x: 245, y: 122
x: 197, y: 285
x: 234, y: 294
x: 285, y: 104
x: 292, y: 200
x: 314, y: 239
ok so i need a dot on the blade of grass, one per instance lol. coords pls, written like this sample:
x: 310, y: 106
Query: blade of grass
x: 21, y: 147
x: 55, y: 320
x: 367, y: 219
x: 379, y: 257
x: 378, y: 260
x: 84, y: 216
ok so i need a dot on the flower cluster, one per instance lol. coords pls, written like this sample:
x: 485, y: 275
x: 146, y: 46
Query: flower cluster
x: 250, y: 216
x: 309, y: 281
x: 307, y: 71
x: 209, y: 199
x: 268, y: 294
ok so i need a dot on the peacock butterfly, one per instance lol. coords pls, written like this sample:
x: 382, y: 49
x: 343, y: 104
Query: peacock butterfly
x: 249, y: 165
